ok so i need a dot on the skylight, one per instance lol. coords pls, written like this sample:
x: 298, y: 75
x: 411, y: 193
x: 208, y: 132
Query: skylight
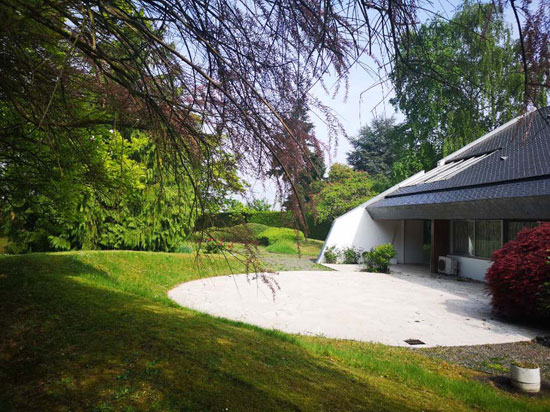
x: 447, y: 170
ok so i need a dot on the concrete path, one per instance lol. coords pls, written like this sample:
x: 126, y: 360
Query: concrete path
x: 355, y: 305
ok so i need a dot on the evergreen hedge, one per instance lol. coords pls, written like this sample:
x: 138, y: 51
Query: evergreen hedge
x: 317, y: 231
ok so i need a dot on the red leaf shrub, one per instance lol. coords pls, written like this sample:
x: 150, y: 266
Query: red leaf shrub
x: 519, y: 278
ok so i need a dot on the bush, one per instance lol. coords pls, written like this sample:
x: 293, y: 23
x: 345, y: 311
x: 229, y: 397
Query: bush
x: 283, y: 246
x: 216, y: 246
x: 272, y: 218
x: 243, y: 233
x: 184, y: 248
x: 519, y: 278
x: 256, y: 228
x: 378, y: 258
x: 275, y: 234
x: 223, y: 219
x: 351, y: 255
x: 331, y: 254
x: 317, y: 230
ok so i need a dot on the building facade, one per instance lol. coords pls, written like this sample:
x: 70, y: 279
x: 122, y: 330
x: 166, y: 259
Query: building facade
x: 474, y: 201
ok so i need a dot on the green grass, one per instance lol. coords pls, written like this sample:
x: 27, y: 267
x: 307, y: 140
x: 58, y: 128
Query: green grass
x: 276, y: 234
x: 284, y: 247
x: 95, y: 331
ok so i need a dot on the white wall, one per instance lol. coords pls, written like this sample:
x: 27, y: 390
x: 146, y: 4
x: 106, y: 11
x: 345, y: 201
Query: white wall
x: 357, y: 229
x: 471, y: 267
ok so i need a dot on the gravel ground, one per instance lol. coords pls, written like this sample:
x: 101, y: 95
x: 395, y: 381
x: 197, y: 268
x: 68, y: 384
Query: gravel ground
x: 280, y: 262
x: 495, y: 359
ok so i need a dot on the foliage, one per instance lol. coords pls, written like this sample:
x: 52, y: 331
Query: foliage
x: 254, y: 228
x: 519, y: 278
x: 317, y: 230
x: 243, y: 73
x: 143, y: 208
x: 275, y: 234
x: 331, y: 254
x: 185, y: 248
x: 272, y: 218
x: 455, y: 80
x: 259, y: 205
x: 216, y: 246
x: 351, y: 255
x: 381, y: 183
x: 372, y: 150
x: 3, y: 245
x: 283, y: 246
x: 243, y: 233
x: 300, y: 191
x: 378, y: 259
x: 343, y: 190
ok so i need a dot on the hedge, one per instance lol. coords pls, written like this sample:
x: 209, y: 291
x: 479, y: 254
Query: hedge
x: 317, y: 231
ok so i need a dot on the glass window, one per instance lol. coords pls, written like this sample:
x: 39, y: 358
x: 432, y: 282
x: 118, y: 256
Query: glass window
x: 463, y: 237
x: 487, y: 237
x: 514, y: 227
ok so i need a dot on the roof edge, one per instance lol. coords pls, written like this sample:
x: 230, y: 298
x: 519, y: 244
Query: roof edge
x: 388, y: 191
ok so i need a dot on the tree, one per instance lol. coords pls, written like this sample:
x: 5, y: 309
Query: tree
x: 456, y: 81
x: 259, y: 205
x: 137, y: 206
x: 343, y: 190
x: 372, y: 150
x: 157, y: 65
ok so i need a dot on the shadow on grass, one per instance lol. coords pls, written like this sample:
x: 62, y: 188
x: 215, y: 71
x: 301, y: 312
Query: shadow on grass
x: 66, y: 344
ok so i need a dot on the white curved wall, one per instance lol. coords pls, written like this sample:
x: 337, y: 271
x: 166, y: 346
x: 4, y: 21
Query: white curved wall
x: 357, y: 229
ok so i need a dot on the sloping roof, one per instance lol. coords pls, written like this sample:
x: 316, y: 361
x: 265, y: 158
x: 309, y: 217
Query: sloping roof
x: 511, y: 162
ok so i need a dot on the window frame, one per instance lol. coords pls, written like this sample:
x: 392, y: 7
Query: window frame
x: 474, y: 255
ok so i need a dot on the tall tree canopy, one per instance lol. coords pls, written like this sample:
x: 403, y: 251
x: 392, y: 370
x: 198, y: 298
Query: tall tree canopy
x: 236, y: 67
x: 372, y: 150
x: 457, y: 80
x: 342, y: 190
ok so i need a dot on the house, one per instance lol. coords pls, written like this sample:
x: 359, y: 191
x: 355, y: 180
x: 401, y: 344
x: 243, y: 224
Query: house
x: 476, y: 199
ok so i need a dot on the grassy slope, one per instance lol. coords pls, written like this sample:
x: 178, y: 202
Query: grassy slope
x: 95, y: 331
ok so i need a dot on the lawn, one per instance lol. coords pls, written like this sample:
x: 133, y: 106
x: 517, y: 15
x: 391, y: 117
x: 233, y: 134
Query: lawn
x: 95, y: 331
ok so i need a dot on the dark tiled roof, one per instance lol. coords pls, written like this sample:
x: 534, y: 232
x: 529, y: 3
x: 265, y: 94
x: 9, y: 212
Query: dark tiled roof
x: 528, y: 155
x: 535, y: 187
x: 519, y: 166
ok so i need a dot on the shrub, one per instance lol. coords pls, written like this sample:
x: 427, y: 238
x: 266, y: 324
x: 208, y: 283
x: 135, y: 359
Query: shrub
x: 184, y: 248
x: 243, y: 233
x: 255, y: 228
x: 378, y: 258
x: 275, y: 234
x: 317, y: 230
x: 283, y: 246
x: 331, y: 254
x: 272, y: 218
x: 351, y: 255
x: 216, y: 246
x: 519, y: 278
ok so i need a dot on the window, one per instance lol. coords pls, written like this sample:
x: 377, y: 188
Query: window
x: 476, y: 238
x: 463, y: 237
x: 487, y: 238
x: 514, y: 227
